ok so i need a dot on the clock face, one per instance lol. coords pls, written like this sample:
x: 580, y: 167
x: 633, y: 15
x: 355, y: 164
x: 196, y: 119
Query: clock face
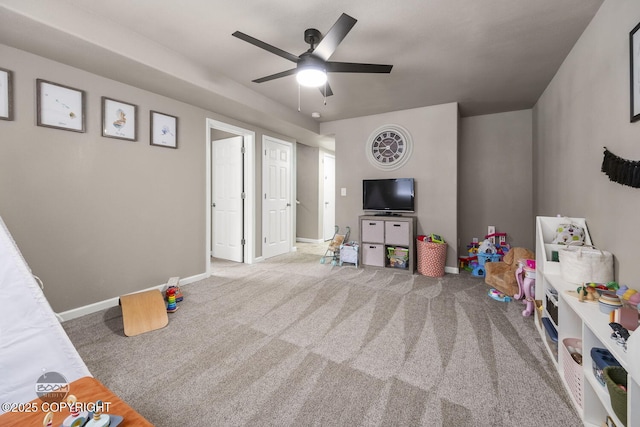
x: 389, y: 147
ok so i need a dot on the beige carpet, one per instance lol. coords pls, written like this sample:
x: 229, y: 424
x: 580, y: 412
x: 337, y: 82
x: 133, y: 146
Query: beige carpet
x: 290, y: 341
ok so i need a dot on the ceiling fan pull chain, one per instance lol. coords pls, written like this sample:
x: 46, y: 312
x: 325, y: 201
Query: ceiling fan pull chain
x: 298, y: 97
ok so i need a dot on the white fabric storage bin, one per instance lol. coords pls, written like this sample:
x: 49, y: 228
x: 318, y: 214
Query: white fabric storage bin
x: 585, y: 264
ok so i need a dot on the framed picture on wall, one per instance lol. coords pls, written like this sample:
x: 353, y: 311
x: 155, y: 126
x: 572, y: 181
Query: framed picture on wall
x: 60, y: 107
x: 6, y: 94
x: 634, y: 51
x: 119, y: 119
x: 164, y: 130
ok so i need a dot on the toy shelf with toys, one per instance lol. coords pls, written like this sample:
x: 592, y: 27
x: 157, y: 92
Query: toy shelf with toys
x: 583, y: 333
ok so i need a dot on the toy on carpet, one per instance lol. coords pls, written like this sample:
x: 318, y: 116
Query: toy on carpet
x: 477, y: 269
x: 174, y: 282
x: 333, y: 251
x: 487, y: 252
x: 498, y: 296
x: 465, y: 262
x: 171, y: 300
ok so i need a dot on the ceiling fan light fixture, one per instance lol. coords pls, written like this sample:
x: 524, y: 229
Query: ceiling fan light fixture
x: 311, y: 77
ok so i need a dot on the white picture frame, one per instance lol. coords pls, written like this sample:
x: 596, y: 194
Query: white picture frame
x: 60, y: 106
x: 6, y: 94
x: 119, y: 119
x: 164, y: 130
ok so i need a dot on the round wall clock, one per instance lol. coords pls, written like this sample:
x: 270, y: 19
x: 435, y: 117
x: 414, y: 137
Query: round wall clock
x: 389, y: 147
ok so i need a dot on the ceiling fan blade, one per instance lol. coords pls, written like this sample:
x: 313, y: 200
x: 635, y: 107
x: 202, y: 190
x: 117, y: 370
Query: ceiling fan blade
x: 328, y: 90
x: 334, y: 36
x: 275, y: 76
x: 354, y: 67
x: 262, y: 45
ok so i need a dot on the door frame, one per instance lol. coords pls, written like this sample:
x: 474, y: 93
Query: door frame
x: 249, y: 222
x: 322, y: 203
x: 292, y: 193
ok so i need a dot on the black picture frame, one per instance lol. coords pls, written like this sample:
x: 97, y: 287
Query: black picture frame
x: 60, y: 107
x: 119, y: 119
x: 6, y: 94
x: 164, y: 130
x: 634, y: 68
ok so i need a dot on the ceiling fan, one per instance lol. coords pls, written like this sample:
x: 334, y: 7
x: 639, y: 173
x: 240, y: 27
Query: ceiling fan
x: 313, y: 65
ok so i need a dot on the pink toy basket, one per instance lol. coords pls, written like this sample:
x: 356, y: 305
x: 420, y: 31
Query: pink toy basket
x: 573, y: 372
x: 431, y: 258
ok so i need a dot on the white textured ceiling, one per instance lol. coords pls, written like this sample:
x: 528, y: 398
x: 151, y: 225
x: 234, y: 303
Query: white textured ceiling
x: 488, y: 55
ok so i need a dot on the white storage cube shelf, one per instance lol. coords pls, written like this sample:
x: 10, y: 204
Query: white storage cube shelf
x: 583, y: 320
x: 546, y: 227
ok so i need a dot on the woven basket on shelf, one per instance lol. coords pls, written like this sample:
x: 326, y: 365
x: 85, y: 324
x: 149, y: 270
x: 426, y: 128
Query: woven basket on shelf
x: 573, y: 372
x: 614, y: 376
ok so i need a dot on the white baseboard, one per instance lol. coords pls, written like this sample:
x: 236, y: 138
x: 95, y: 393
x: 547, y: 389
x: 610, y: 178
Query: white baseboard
x: 305, y: 240
x: 452, y: 270
x: 112, y: 302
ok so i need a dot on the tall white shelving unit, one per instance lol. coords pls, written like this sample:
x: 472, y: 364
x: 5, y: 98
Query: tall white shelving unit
x: 584, y: 321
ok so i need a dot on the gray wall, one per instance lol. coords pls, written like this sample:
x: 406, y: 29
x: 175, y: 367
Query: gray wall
x: 98, y: 217
x: 308, y: 192
x: 585, y: 108
x: 496, y: 178
x: 310, y: 181
x: 434, y: 165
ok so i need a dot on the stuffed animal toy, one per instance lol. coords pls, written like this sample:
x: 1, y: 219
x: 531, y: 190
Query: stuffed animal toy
x: 569, y: 234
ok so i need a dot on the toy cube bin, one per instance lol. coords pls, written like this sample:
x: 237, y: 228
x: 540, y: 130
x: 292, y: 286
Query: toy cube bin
x: 398, y: 261
x: 600, y: 359
x: 373, y: 254
x: 551, y: 336
x: 551, y: 304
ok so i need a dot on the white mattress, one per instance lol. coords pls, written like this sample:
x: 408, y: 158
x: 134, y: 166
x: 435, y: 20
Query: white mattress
x: 32, y: 341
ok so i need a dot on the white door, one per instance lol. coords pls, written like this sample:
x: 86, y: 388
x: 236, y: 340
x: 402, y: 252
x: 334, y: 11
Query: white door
x: 226, y: 199
x: 329, y: 205
x: 276, y: 202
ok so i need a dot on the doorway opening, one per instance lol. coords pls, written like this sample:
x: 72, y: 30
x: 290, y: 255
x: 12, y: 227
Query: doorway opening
x: 248, y: 211
x: 329, y: 196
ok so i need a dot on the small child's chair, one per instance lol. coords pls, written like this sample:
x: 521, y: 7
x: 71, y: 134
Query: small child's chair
x: 502, y: 275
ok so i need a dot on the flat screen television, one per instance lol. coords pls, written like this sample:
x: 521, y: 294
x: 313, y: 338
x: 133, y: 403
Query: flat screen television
x: 388, y: 195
